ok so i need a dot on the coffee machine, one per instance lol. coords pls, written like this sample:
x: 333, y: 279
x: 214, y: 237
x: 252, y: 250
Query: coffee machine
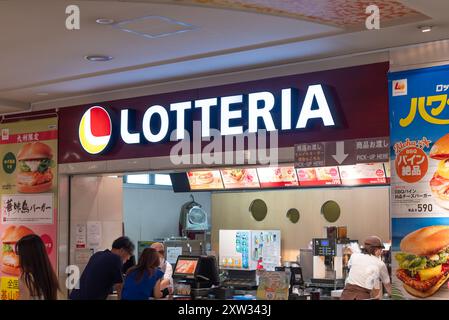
x: 327, y: 259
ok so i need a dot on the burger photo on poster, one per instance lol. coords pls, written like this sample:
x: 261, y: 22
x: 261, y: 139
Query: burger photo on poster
x: 35, y: 162
x: 9, y: 259
x: 439, y: 184
x: 423, y: 260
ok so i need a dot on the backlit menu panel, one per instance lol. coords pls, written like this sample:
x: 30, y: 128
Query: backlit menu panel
x: 319, y: 176
x: 274, y: 177
x: 363, y: 174
x: 205, y: 180
x: 240, y: 178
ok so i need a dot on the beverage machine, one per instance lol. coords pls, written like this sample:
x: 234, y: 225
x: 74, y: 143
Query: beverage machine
x: 327, y: 259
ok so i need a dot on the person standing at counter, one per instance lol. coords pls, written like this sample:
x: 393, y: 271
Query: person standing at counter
x: 365, y: 271
x: 167, y: 269
x: 103, y: 272
x: 144, y: 280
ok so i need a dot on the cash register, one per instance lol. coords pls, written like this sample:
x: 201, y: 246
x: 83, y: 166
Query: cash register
x: 199, y: 273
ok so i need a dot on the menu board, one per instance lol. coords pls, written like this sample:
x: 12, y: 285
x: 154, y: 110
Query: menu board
x: 359, y: 174
x: 318, y: 176
x: 205, y: 180
x: 240, y: 178
x: 272, y: 177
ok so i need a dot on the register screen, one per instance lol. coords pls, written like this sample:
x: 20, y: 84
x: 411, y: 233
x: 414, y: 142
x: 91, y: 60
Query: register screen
x: 187, y: 266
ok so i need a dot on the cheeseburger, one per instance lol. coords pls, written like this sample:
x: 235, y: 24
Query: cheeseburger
x: 439, y: 184
x: 9, y: 238
x: 423, y: 262
x: 35, y: 160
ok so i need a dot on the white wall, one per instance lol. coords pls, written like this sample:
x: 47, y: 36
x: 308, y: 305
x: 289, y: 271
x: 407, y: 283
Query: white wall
x: 154, y: 213
x: 365, y: 211
x: 96, y: 199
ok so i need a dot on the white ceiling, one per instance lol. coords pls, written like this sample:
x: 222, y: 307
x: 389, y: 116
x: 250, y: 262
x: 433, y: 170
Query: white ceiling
x: 39, y: 55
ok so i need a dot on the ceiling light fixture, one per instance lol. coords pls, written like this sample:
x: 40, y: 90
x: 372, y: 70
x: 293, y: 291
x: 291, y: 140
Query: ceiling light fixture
x: 104, y: 21
x: 425, y: 28
x: 98, y: 58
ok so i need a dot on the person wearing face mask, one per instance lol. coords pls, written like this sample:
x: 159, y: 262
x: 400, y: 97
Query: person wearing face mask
x: 167, y: 269
x: 365, y: 271
x: 103, y: 272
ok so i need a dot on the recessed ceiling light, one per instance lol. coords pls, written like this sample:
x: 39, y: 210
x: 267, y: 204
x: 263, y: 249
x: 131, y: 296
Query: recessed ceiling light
x: 96, y: 58
x: 425, y: 28
x: 104, y: 21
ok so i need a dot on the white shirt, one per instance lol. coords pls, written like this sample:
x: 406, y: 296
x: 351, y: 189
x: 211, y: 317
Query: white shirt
x: 366, y: 270
x: 168, y: 272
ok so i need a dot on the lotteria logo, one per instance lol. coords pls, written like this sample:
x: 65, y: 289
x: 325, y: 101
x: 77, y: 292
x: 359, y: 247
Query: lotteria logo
x: 237, y: 115
x: 95, y: 130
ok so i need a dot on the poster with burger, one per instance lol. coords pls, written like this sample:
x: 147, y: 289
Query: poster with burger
x: 419, y: 189
x: 9, y: 258
x: 421, y: 258
x: 28, y: 191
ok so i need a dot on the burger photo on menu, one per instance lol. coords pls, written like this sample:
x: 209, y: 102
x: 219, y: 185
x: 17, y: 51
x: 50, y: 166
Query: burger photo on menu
x: 204, y: 177
x: 9, y: 238
x: 237, y: 174
x: 35, y: 162
x: 423, y: 265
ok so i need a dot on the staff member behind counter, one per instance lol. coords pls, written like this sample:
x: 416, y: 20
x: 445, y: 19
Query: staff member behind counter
x: 167, y: 269
x: 365, y: 271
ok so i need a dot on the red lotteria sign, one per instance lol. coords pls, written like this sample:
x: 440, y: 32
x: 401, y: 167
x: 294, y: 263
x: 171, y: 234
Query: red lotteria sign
x: 310, y: 107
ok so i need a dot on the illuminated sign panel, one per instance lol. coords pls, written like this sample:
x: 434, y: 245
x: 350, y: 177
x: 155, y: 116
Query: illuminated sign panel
x: 237, y: 114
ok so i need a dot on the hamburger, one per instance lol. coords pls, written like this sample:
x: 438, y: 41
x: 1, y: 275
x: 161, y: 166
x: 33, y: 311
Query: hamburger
x: 439, y: 184
x: 204, y: 177
x: 35, y: 162
x: 423, y: 260
x: 237, y: 174
x: 9, y: 238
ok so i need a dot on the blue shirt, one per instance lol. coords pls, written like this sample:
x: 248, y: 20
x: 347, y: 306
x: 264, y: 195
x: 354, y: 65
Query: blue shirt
x: 143, y: 289
x: 103, y: 270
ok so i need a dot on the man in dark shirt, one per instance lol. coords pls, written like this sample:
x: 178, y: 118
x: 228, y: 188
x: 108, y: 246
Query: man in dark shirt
x: 104, y: 272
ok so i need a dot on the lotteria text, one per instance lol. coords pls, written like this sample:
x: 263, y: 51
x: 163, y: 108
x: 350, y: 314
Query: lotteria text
x: 230, y: 115
x: 258, y: 108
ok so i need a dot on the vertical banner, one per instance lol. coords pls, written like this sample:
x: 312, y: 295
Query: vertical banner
x: 28, y: 193
x: 419, y: 122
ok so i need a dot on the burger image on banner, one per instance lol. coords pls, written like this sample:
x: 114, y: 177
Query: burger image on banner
x: 35, y: 161
x: 9, y: 238
x: 439, y: 184
x: 423, y: 260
